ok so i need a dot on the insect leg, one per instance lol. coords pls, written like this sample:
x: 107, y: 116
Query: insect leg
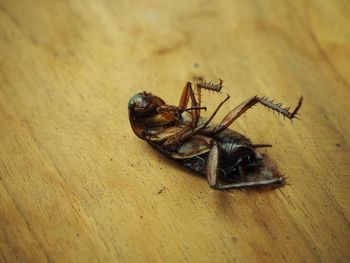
x: 187, y: 93
x: 212, y: 116
x: 185, y: 96
x: 212, y: 165
x: 211, y: 86
x: 173, y: 112
x: 279, y: 181
x: 208, y: 86
x: 189, y: 131
x: 243, y: 107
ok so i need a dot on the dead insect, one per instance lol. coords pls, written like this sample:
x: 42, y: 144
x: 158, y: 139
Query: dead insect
x: 227, y: 158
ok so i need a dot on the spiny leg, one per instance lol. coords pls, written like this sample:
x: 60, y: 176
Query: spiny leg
x: 185, y: 96
x: 190, y: 131
x: 211, y: 86
x: 173, y: 113
x: 200, y: 84
x: 208, y: 86
x: 243, y: 107
x: 187, y: 93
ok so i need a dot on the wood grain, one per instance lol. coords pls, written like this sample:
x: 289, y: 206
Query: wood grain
x: 78, y: 186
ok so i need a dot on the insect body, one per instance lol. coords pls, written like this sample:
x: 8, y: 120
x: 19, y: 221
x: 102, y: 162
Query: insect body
x: 227, y: 158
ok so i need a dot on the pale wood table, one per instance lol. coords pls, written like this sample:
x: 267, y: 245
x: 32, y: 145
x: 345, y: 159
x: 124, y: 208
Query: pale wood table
x: 78, y: 186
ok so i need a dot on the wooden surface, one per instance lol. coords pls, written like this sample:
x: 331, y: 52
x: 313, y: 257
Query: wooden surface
x: 78, y: 186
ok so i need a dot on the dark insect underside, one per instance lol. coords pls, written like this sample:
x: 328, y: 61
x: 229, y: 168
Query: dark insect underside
x: 240, y: 165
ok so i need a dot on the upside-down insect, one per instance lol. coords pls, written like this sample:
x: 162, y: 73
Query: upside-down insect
x: 227, y: 158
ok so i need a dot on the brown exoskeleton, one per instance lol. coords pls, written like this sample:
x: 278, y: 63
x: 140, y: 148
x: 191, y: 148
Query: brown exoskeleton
x: 227, y: 159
